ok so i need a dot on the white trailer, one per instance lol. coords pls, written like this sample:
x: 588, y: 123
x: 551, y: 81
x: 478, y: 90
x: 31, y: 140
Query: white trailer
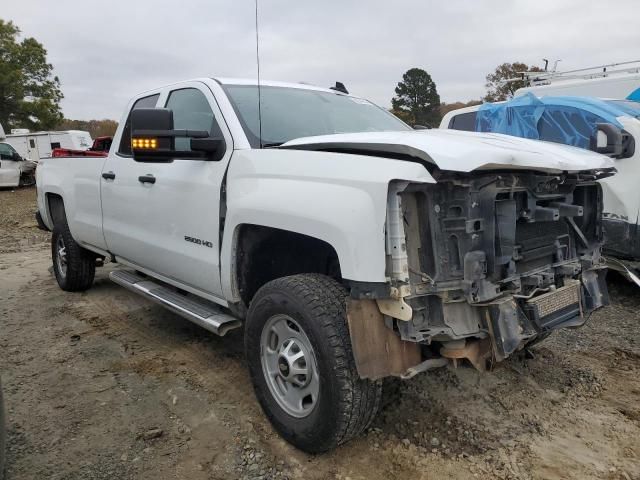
x: 36, y: 145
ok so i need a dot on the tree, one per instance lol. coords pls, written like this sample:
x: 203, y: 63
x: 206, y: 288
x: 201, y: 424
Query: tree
x: 29, y: 94
x: 417, y: 101
x: 448, y: 107
x: 498, y: 88
x: 97, y: 128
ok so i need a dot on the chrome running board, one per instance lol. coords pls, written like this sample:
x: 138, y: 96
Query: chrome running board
x: 201, y: 312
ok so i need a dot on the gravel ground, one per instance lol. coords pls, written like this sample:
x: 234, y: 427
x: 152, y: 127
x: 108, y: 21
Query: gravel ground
x: 104, y: 385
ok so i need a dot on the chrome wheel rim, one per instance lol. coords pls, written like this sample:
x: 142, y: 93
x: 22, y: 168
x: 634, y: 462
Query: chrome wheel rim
x: 289, y: 365
x: 61, y: 256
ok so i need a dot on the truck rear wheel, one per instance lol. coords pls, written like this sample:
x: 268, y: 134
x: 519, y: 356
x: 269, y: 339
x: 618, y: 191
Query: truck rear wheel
x: 73, y: 266
x: 301, y: 363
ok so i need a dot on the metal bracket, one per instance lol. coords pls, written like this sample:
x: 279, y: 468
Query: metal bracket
x: 424, y: 366
x: 625, y: 268
x: 476, y: 351
x: 396, y: 308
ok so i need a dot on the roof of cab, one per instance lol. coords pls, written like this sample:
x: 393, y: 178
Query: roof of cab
x: 272, y: 83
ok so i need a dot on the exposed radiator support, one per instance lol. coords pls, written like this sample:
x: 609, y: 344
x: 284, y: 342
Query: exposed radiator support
x: 396, y: 246
x: 395, y: 239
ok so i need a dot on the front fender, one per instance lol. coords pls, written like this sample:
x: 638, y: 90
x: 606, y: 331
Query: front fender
x: 338, y: 198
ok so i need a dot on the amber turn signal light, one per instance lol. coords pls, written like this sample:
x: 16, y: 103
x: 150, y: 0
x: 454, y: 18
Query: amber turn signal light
x: 149, y: 143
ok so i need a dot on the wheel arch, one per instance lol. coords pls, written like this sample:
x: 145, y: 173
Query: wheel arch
x: 55, y: 210
x: 263, y: 253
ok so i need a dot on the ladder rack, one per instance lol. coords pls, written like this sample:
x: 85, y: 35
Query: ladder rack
x: 546, y: 78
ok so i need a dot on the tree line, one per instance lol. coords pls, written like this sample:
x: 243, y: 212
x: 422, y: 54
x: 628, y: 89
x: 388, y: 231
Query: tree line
x: 417, y: 102
x: 30, y: 94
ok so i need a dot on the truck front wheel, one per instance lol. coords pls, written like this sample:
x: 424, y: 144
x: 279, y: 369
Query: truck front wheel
x: 301, y: 363
x: 73, y: 266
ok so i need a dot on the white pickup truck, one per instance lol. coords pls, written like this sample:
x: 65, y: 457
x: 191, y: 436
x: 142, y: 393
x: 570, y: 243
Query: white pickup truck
x: 350, y: 246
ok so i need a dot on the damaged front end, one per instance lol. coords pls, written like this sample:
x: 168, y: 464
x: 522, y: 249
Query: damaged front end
x: 483, y: 264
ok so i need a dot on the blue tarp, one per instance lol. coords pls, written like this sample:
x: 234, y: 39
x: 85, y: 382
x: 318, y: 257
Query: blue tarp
x: 567, y: 120
x: 629, y: 107
x: 635, y: 95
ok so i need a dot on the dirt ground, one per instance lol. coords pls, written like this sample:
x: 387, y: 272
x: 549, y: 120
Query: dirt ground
x: 104, y: 385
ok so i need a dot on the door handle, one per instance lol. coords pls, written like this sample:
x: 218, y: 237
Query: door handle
x: 148, y: 178
x: 109, y: 175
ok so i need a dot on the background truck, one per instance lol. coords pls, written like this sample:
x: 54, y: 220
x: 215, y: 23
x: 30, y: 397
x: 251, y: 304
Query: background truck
x: 100, y: 148
x: 579, y: 121
x: 349, y: 246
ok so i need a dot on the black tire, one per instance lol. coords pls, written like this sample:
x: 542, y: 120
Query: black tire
x: 345, y: 404
x: 80, y: 263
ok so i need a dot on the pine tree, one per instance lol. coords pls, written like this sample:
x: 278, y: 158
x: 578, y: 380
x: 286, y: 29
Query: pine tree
x: 417, y: 99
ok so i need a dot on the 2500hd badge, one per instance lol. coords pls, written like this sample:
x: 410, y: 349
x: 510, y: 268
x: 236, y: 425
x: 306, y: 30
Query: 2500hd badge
x: 198, y: 241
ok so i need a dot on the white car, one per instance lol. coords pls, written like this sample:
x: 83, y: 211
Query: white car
x: 350, y: 246
x: 15, y: 170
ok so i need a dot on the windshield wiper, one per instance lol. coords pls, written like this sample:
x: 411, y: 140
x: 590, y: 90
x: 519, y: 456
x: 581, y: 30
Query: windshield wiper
x: 271, y: 145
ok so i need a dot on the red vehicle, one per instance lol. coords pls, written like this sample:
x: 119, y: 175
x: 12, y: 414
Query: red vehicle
x: 100, y: 148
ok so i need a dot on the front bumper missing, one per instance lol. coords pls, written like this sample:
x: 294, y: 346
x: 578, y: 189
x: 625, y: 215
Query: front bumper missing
x: 512, y: 324
x: 505, y: 326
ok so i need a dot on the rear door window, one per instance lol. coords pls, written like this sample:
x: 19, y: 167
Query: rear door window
x: 125, y: 140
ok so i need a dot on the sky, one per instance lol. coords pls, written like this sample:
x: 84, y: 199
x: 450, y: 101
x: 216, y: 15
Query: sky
x: 104, y: 55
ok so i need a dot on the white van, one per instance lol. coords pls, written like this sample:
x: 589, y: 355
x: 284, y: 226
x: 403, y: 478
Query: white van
x: 37, y: 145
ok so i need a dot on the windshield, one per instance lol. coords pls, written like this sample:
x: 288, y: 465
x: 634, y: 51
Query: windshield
x: 289, y: 113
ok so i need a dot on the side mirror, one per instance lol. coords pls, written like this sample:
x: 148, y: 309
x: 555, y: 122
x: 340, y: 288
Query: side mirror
x: 153, y: 138
x: 607, y: 139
